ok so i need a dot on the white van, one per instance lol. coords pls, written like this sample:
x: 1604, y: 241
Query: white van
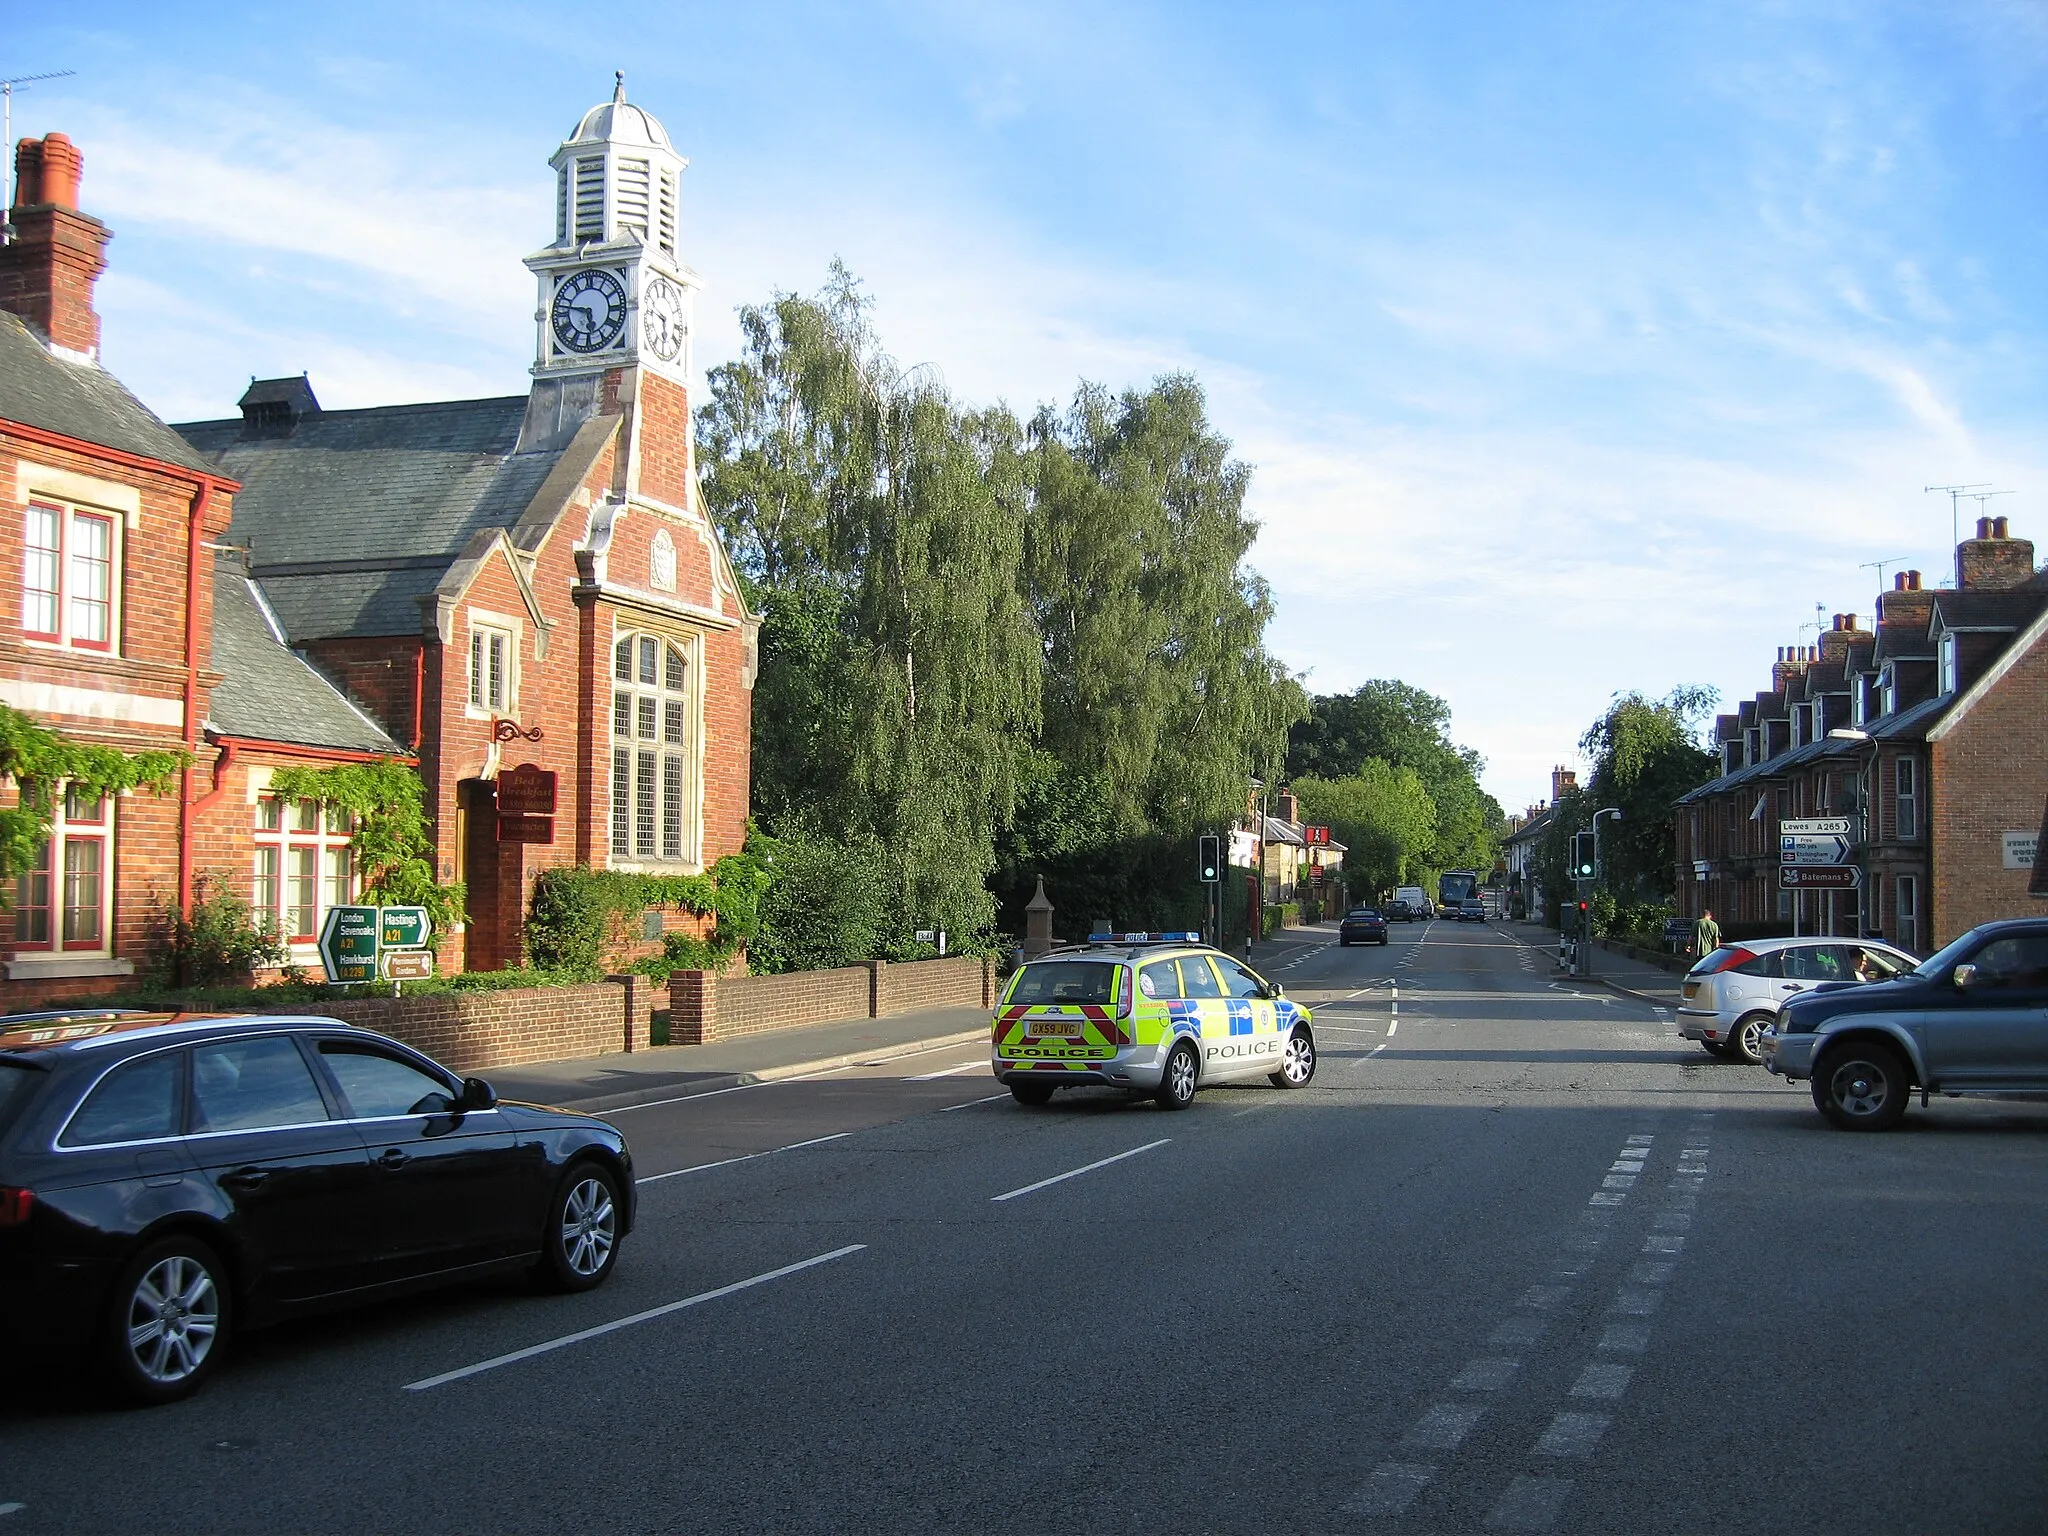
x: 1416, y: 900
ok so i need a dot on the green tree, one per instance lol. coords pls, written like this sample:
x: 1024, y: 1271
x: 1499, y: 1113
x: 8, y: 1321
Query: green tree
x: 1645, y: 753
x: 1383, y: 815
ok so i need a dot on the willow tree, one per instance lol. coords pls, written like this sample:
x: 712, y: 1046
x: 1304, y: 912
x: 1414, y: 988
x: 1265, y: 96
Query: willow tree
x: 1646, y: 753
x: 900, y: 667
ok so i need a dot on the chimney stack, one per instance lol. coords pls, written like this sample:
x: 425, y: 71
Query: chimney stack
x: 1993, y: 561
x: 57, y: 254
x: 1562, y: 782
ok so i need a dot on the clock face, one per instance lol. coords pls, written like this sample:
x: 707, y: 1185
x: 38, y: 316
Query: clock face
x: 589, y: 311
x: 661, y: 317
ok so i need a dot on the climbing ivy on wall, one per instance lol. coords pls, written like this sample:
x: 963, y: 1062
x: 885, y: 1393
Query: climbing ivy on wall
x: 35, y: 760
x: 394, y: 851
x: 578, y: 916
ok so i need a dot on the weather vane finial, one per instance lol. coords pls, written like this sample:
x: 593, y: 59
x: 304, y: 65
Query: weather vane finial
x: 619, y: 90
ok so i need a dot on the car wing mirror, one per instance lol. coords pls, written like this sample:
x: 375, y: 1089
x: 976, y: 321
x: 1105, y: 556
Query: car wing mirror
x: 1274, y: 989
x: 476, y: 1095
x: 1965, y: 976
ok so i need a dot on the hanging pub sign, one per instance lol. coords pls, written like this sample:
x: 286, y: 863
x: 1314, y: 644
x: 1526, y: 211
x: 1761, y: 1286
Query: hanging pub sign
x: 528, y: 790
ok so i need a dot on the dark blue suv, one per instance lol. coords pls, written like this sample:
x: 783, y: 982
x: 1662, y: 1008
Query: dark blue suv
x: 1971, y: 1019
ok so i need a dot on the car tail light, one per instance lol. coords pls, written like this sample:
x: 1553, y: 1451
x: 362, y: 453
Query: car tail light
x: 1723, y: 960
x: 15, y: 1204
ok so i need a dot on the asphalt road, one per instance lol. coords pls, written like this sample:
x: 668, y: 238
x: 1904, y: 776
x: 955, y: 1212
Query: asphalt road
x: 1519, y: 1259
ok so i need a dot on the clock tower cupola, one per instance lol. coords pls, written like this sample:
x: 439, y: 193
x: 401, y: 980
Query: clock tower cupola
x: 612, y: 291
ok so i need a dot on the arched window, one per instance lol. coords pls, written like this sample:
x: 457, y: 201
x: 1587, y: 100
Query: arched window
x: 653, y: 764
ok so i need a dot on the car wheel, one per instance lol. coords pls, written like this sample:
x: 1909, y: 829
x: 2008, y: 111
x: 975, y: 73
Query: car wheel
x: 580, y: 1243
x: 1861, y: 1087
x: 1177, y: 1082
x: 1297, y: 1061
x: 167, y: 1324
x: 1031, y: 1093
x: 1746, y: 1039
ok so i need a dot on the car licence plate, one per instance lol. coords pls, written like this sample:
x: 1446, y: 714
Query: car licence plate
x: 1044, y: 1027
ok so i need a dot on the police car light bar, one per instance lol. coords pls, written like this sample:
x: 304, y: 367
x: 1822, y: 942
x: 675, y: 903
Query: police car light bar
x: 1144, y: 938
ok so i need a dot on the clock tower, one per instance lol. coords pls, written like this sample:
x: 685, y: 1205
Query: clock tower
x: 612, y: 292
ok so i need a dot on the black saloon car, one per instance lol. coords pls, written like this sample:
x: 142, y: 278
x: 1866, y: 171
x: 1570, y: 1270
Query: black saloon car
x: 1972, y: 1018
x: 1362, y: 925
x: 166, y: 1179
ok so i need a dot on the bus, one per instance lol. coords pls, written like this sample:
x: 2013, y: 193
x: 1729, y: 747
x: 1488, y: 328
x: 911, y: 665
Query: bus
x: 1459, y: 885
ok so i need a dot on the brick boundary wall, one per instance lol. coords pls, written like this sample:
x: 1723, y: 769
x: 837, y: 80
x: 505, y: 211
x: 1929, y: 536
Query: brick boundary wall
x: 470, y: 1031
x: 704, y: 1006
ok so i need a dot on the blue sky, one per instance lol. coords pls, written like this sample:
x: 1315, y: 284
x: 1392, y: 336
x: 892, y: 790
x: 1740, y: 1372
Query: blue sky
x: 1579, y: 347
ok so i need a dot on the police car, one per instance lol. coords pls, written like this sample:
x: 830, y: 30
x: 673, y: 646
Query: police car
x: 1159, y: 1014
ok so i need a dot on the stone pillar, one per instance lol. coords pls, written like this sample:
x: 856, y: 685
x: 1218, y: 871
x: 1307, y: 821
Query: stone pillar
x: 1037, y: 922
x: 692, y: 1007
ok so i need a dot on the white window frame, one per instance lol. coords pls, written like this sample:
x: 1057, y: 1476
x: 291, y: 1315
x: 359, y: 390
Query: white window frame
x: 479, y: 703
x: 1945, y: 662
x: 1888, y: 690
x: 68, y: 515
x: 656, y: 736
x: 68, y: 829
x: 1906, y: 796
x: 327, y: 840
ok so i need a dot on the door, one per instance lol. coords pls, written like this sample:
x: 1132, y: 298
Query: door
x: 446, y: 1189
x: 1994, y: 1032
x: 1255, y: 1044
x: 1805, y: 966
x: 289, y: 1171
x: 1202, y: 995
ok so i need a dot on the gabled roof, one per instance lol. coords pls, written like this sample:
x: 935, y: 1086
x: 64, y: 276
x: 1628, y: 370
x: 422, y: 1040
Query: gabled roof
x: 269, y: 693
x: 350, y: 517
x: 2008, y: 610
x: 83, y: 401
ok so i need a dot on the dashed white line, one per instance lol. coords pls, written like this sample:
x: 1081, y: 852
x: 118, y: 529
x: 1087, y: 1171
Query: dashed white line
x: 972, y: 1102
x: 965, y: 1066
x: 1603, y: 1378
x: 1075, y: 1173
x: 1573, y: 1435
x: 745, y: 1157
x: 1444, y: 1427
x: 1488, y: 1375
x: 637, y: 1318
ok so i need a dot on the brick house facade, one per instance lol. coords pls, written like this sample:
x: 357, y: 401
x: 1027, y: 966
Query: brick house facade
x: 121, y: 627
x: 1928, y: 734
x: 473, y: 586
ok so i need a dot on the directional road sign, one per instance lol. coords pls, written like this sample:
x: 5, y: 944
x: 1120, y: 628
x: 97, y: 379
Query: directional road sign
x: 408, y: 964
x: 1801, y: 848
x: 1816, y: 826
x: 348, y: 944
x: 1825, y: 877
x: 403, y: 927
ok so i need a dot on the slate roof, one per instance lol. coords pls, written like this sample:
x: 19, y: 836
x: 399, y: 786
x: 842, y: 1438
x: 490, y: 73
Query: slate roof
x: 268, y: 692
x: 81, y: 400
x: 350, y: 516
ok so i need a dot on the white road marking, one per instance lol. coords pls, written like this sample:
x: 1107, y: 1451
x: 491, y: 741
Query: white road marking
x: 1649, y: 1272
x: 1444, y: 1427
x: 1626, y: 1338
x: 1530, y: 1504
x: 1519, y: 1333
x: 1607, y: 1197
x: 972, y: 1102
x: 965, y: 1066
x: 1619, y: 1181
x: 1573, y: 1434
x: 1394, y: 1486
x: 1603, y: 1378
x: 1663, y: 1242
x: 745, y: 1157
x: 1375, y: 1050
x: 628, y: 1322
x: 1637, y: 1303
x: 12, y: 1509
x: 770, y: 1082
x: 1075, y: 1173
x: 1393, y: 1029
x: 1485, y: 1375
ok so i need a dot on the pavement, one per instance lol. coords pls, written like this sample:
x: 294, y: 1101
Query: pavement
x: 1519, y: 1258
x: 619, y: 1079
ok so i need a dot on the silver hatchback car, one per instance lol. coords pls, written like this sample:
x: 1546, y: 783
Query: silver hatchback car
x: 1727, y: 1000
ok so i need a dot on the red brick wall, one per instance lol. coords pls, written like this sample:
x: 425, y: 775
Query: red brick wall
x: 470, y: 1031
x: 704, y: 1006
x: 965, y: 981
x: 1990, y: 777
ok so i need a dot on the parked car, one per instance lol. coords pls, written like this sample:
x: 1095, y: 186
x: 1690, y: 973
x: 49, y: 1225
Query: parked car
x: 1472, y: 910
x: 168, y: 1179
x: 1398, y: 911
x: 1362, y: 925
x: 1731, y: 995
x: 1972, y: 1018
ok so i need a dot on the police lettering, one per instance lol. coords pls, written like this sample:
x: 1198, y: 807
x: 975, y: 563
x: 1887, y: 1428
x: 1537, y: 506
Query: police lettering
x: 1248, y: 1048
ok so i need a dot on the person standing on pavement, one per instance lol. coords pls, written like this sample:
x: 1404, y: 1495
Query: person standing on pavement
x: 1706, y: 935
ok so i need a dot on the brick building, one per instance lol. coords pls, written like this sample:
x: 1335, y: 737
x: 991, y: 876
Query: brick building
x: 123, y: 629
x: 474, y: 585
x: 1929, y: 733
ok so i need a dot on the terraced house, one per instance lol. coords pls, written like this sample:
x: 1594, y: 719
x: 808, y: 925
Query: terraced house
x: 1926, y: 733
x: 526, y: 582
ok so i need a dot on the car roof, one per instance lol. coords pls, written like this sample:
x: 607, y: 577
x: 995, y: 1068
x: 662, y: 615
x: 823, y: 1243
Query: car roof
x: 1768, y: 946
x: 89, y: 1029
x: 1114, y: 949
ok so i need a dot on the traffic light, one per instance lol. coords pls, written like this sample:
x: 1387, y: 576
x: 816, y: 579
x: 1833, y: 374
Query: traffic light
x: 1583, y: 855
x: 1212, y: 858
